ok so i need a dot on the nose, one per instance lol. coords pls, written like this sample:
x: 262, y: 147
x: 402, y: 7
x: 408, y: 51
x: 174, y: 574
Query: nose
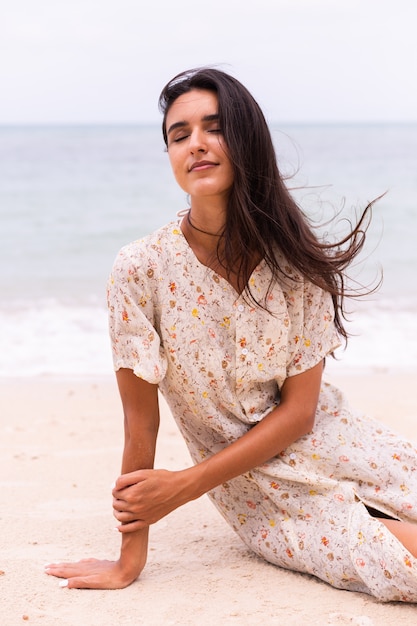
x: 197, y: 141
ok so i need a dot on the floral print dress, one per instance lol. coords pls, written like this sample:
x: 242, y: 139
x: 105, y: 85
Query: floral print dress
x: 220, y: 362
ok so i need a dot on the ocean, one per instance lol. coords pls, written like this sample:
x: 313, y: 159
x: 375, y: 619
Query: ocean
x: 71, y: 196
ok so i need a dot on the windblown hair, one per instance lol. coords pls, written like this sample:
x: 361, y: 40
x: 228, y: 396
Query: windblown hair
x: 262, y: 216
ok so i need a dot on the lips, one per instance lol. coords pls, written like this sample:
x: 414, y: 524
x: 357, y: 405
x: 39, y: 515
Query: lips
x: 201, y: 165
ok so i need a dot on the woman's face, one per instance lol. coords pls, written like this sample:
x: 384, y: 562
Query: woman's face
x: 196, y: 148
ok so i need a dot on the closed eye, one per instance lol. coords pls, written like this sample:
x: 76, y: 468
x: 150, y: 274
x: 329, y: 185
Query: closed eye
x: 216, y: 131
x: 181, y: 138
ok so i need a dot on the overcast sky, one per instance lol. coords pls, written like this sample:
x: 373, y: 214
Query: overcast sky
x: 304, y: 60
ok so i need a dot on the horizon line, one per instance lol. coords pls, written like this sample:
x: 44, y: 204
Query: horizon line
x: 137, y: 123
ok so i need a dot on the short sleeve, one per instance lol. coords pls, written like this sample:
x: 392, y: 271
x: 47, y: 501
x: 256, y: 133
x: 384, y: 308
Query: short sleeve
x: 313, y: 333
x: 135, y: 342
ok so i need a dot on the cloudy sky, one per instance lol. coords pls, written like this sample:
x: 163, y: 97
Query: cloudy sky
x: 304, y: 60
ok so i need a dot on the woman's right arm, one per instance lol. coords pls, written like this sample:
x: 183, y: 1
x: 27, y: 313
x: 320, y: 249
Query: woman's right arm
x: 141, y: 422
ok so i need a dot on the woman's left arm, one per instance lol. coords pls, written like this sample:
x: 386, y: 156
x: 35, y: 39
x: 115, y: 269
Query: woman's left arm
x: 292, y: 418
x: 145, y: 496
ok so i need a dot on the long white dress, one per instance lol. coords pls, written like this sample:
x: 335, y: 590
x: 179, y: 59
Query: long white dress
x: 220, y: 362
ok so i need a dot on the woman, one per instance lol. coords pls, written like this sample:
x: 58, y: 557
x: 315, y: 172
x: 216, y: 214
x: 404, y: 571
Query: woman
x: 231, y: 312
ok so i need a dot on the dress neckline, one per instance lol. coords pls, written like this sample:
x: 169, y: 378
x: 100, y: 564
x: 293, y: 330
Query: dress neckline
x: 221, y: 278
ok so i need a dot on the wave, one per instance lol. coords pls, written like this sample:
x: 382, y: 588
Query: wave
x: 49, y: 337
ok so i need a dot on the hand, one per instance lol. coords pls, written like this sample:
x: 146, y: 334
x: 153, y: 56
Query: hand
x: 92, y: 574
x: 143, y: 497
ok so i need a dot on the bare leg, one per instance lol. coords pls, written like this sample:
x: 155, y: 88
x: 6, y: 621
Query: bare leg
x: 405, y: 532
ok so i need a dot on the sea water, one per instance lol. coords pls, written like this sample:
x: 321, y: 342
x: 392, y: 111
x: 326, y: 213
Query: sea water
x: 71, y: 196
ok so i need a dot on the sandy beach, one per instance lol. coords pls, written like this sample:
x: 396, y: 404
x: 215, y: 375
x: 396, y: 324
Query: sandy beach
x: 61, y: 442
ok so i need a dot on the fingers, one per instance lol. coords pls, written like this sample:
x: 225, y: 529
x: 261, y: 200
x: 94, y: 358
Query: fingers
x: 132, y: 527
x: 78, y: 569
x: 68, y: 570
x: 90, y: 574
x: 126, y: 517
x: 126, y: 511
x: 127, y: 480
x: 129, y: 509
x: 86, y: 582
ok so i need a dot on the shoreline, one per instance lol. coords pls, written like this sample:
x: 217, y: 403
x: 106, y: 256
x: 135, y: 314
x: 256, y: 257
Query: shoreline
x: 53, y: 338
x: 61, y: 441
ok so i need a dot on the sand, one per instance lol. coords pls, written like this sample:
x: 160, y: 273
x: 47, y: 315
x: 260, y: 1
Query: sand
x: 61, y: 443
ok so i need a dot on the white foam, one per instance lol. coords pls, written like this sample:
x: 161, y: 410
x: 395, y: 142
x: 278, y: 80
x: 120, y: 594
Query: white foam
x: 384, y: 336
x: 51, y: 338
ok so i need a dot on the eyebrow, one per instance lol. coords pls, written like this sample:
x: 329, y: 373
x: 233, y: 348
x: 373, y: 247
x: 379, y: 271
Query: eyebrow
x: 207, y: 118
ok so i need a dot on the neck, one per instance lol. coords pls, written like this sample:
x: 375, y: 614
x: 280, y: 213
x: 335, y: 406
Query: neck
x: 201, y: 230
x: 203, y: 236
x: 208, y: 213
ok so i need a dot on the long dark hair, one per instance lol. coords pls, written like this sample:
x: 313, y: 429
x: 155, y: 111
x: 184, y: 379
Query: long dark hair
x: 262, y: 216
